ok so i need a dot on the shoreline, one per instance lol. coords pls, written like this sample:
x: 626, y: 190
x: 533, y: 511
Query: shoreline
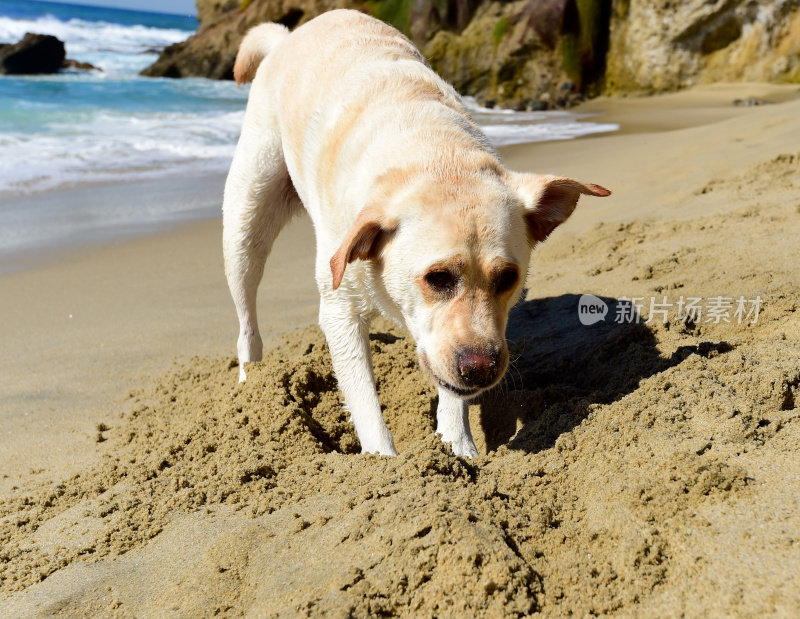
x: 68, y: 216
x: 198, y: 197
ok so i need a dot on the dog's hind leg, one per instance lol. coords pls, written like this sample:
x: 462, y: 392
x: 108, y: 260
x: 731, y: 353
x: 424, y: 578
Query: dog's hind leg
x: 259, y: 200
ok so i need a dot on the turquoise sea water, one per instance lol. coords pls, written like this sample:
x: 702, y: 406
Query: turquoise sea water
x: 76, y: 128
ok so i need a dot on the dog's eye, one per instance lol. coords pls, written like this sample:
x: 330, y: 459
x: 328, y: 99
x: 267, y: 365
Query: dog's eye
x: 441, y: 281
x: 505, y: 281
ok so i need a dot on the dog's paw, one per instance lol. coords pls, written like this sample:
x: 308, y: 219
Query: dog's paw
x: 464, y: 448
x: 242, y: 375
x: 377, y: 439
x: 380, y: 451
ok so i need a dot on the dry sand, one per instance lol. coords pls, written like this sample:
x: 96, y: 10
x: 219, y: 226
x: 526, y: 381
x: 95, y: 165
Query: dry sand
x: 641, y: 469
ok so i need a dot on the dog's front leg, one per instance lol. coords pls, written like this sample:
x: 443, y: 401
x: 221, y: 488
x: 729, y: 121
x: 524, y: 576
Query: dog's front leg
x: 452, y: 422
x: 348, y: 341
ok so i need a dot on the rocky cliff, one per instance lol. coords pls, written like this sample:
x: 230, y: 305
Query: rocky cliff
x: 659, y: 45
x: 529, y: 54
x: 536, y: 54
x: 525, y: 54
x: 212, y: 50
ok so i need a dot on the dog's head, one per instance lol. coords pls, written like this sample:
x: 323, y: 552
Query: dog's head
x: 453, y: 257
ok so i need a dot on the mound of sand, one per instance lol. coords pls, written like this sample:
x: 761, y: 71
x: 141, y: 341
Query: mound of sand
x: 626, y: 466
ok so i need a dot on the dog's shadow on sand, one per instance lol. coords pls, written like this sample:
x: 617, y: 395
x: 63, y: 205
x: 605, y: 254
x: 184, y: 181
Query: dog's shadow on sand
x: 561, y: 367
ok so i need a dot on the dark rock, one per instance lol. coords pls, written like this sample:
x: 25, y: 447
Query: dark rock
x: 71, y: 63
x: 35, y: 53
x: 520, y: 105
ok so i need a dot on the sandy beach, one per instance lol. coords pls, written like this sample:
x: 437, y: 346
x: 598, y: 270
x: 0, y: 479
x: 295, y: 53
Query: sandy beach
x: 633, y: 467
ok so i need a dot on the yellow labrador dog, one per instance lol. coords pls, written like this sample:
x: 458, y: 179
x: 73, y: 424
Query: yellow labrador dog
x: 415, y: 216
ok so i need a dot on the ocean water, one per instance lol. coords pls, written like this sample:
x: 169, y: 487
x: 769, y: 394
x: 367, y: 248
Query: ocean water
x: 79, y: 128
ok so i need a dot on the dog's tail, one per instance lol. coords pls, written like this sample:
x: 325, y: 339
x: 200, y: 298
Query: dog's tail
x: 257, y: 44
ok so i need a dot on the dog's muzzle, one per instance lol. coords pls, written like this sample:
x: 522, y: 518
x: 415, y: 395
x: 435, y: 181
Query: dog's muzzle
x: 477, y: 368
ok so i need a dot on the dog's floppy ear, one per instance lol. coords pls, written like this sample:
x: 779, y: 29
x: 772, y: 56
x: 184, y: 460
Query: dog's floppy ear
x: 365, y: 240
x: 550, y: 200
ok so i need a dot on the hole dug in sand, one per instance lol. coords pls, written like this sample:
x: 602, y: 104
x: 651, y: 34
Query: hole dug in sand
x: 257, y: 498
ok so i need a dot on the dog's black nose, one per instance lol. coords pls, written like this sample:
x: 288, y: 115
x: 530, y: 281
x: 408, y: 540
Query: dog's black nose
x: 478, y: 368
